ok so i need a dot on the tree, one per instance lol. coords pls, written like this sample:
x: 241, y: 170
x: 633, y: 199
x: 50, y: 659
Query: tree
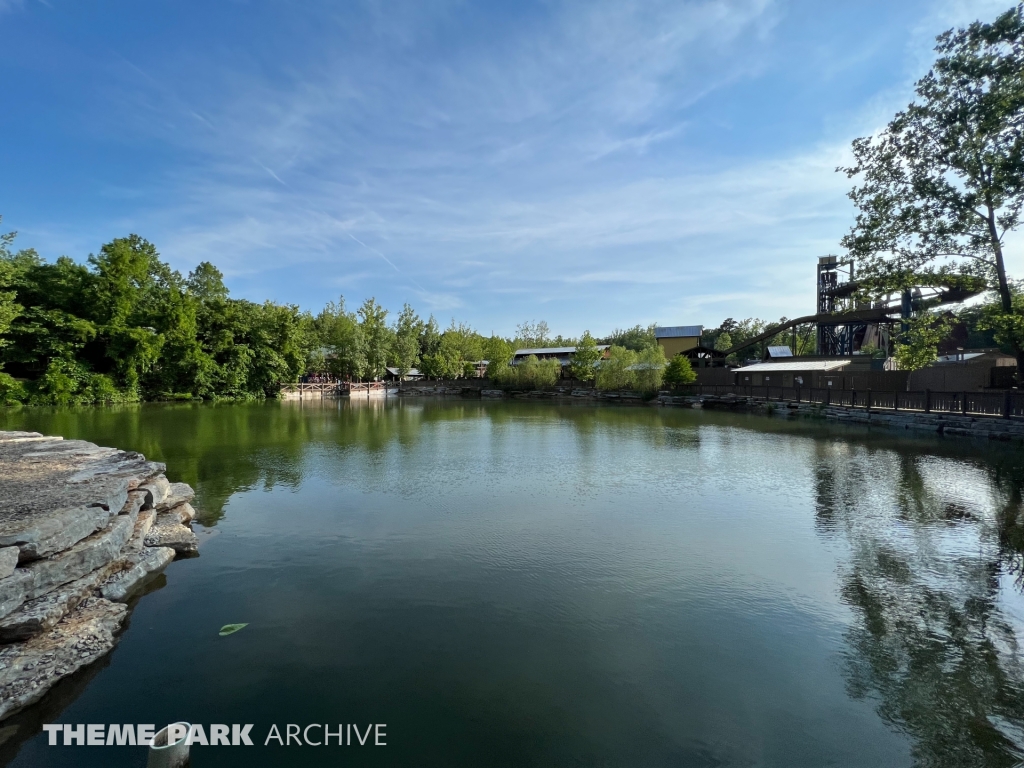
x: 377, y: 337
x: 586, y: 357
x: 406, y: 350
x: 636, y: 338
x: 498, y: 353
x: 649, y: 369
x: 341, y: 340
x: 206, y: 283
x: 614, y: 371
x: 917, y: 344
x: 679, y: 371
x: 430, y: 339
x: 532, y: 334
x: 536, y: 373
x: 9, y: 308
x: 943, y: 183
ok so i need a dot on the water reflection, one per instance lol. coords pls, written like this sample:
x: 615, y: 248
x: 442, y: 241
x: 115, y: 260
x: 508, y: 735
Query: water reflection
x: 647, y: 554
x: 924, y: 577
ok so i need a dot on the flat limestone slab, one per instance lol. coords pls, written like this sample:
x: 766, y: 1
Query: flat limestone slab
x: 86, y: 556
x: 30, y: 668
x: 167, y: 531
x: 55, y: 492
x: 179, y: 493
x: 122, y: 584
x: 44, y: 612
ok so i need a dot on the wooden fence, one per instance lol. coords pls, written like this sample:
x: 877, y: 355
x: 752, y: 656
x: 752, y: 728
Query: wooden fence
x: 1002, y: 403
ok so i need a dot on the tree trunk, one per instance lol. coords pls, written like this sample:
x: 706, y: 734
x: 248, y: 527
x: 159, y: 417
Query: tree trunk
x: 1005, y: 297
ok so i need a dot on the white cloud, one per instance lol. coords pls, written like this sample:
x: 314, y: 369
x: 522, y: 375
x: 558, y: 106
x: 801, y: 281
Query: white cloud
x: 554, y: 164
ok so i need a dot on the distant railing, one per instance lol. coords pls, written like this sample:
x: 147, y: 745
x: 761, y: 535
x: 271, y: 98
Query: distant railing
x: 304, y: 388
x: 335, y: 388
x: 1002, y: 403
x: 355, y: 388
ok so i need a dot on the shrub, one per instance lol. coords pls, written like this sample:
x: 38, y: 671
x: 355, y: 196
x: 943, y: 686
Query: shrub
x: 12, y: 391
x: 615, y: 372
x: 535, y: 373
x: 679, y: 371
x: 649, y: 369
x: 101, y: 389
x: 531, y: 373
x: 62, y: 383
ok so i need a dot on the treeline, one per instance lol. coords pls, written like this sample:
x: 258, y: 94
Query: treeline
x: 126, y: 327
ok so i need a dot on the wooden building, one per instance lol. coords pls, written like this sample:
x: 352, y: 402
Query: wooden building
x: 677, y: 339
x: 789, y: 373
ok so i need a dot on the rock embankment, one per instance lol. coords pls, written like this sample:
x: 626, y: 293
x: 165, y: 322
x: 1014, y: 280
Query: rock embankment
x: 81, y: 528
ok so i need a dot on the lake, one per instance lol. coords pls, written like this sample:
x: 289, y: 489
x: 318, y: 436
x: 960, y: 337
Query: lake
x: 535, y: 584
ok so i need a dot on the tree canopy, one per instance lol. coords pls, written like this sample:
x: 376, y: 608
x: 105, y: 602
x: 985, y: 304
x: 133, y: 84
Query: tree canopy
x: 940, y: 187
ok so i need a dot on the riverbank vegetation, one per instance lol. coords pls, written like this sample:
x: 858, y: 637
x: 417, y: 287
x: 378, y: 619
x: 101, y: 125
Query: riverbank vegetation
x: 124, y: 326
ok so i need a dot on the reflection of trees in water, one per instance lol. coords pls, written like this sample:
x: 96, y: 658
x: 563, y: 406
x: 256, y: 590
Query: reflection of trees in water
x: 930, y: 641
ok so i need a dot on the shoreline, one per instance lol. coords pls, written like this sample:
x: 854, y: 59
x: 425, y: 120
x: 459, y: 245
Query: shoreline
x: 82, y: 529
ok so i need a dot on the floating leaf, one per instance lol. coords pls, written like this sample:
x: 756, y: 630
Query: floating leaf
x: 230, y: 629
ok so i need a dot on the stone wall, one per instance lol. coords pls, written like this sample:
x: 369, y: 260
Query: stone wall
x: 81, y: 528
x: 989, y: 427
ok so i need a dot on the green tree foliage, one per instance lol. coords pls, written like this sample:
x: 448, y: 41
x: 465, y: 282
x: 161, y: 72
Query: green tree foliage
x: 531, y: 373
x: 341, y: 351
x: 679, y: 371
x: 943, y: 183
x: 532, y: 334
x: 378, y: 338
x: 458, y: 349
x: 616, y: 370
x: 126, y: 326
x: 9, y: 308
x: 916, y: 346
x: 498, y: 353
x: 1007, y: 328
x: 406, y: 349
x: 584, y: 362
x: 636, y: 338
x: 732, y: 333
x: 649, y: 370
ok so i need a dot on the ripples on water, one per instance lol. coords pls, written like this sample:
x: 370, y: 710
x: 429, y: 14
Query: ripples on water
x: 520, y: 584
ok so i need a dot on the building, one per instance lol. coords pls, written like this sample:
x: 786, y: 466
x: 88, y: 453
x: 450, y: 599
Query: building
x: 394, y: 374
x: 789, y: 373
x: 968, y: 369
x: 677, y: 339
x: 562, y: 354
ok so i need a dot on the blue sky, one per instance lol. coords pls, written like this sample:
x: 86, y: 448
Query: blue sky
x: 594, y: 164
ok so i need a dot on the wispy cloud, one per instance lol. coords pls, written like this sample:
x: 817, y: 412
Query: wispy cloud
x: 610, y: 162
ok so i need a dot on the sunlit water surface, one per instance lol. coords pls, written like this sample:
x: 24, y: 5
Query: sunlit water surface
x: 514, y: 584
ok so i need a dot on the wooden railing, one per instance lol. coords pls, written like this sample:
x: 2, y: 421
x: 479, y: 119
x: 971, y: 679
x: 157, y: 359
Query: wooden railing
x: 998, y: 403
x: 336, y: 388
x: 311, y: 389
x: 364, y: 388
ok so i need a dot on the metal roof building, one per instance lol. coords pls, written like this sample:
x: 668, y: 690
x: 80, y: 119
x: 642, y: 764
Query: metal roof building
x: 788, y: 366
x: 679, y: 331
x: 677, y: 339
x: 562, y: 354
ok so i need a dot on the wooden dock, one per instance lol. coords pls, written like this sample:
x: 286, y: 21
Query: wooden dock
x: 335, y: 389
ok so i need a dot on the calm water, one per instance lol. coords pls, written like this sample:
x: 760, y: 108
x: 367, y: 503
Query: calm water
x: 514, y: 584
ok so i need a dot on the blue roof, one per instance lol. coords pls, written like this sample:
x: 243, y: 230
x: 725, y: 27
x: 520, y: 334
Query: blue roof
x: 678, y: 331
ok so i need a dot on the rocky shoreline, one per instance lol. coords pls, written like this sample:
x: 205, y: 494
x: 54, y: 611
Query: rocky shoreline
x: 81, y: 529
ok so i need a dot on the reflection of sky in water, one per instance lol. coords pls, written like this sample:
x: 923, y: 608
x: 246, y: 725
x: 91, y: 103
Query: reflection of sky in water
x: 510, y: 583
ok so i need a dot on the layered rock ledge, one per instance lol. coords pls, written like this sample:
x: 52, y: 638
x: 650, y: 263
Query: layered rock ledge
x: 81, y: 529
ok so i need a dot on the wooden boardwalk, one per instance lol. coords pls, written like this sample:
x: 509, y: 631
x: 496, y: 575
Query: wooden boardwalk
x: 334, y: 389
